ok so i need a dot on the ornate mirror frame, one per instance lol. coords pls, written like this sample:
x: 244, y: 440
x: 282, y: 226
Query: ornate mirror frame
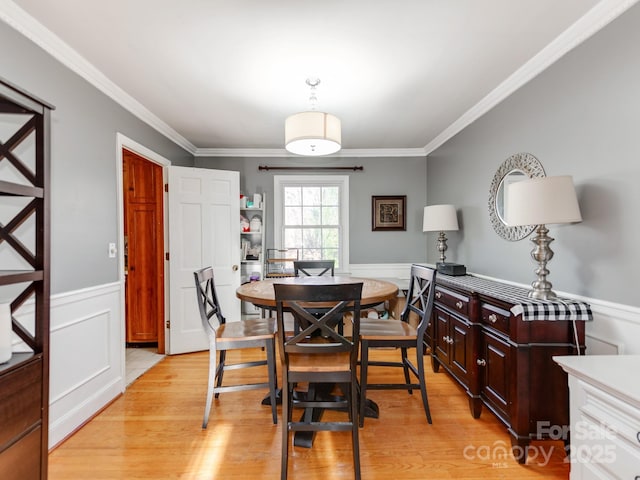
x: 520, y: 163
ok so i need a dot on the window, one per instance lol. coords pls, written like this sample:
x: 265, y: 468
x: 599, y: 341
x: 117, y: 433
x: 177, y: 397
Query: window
x: 311, y: 213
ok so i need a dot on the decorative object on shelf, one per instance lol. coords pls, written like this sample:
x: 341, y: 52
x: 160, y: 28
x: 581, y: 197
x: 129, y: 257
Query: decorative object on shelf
x: 442, y: 218
x: 256, y: 224
x: 244, y: 224
x: 542, y: 201
x: 517, y: 167
x: 257, y: 200
x: 388, y: 212
x: 5, y: 332
x: 312, y: 133
x: 243, y: 201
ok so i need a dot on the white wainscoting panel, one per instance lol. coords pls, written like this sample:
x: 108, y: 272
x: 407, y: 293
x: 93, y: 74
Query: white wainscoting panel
x: 388, y: 271
x: 86, y: 356
x: 615, y: 329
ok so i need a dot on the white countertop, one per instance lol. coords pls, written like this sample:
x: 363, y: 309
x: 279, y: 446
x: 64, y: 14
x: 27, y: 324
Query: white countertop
x: 617, y: 374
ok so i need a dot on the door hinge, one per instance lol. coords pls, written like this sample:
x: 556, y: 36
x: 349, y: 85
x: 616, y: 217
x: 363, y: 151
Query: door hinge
x: 168, y: 323
x: 166, y: 256
x: 166, y: 187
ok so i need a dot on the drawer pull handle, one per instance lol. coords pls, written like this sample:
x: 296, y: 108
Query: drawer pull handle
x: 638, y: 437
x: 459, y: 304
x: 481, y: 362
x: 493, y: 318
x: 438, y: 294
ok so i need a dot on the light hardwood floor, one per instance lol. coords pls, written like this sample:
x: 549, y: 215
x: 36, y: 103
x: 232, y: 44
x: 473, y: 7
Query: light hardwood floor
x: 154, y: 431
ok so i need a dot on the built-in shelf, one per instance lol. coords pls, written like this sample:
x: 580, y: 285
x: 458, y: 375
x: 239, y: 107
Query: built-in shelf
x: 24, y: 379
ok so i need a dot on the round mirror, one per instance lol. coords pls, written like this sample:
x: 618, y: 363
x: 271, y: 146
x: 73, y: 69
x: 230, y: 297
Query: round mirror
x: 517, y: 167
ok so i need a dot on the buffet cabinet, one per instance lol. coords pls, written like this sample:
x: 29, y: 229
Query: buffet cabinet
x: 24, y: 198
x: 504, y: 359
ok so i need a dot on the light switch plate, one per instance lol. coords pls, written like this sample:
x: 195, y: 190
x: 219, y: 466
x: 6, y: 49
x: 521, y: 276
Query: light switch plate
x: 112, y: 250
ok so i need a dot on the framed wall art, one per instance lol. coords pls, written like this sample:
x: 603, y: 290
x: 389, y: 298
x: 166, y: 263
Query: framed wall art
x: 388, y: 212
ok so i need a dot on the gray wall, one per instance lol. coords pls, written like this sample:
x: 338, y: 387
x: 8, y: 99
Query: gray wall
x: 381, y: 176
x: 83, y: 152
x: 580, y: 118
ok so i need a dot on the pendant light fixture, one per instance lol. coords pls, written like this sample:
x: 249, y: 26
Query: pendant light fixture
x: 312, y: 133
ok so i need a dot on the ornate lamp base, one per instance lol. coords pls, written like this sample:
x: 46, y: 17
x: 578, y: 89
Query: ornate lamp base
x: 542, y: 254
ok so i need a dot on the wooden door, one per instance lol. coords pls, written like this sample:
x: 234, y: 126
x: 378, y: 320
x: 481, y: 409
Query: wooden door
x: 144, y: 246
x: 204, y: 230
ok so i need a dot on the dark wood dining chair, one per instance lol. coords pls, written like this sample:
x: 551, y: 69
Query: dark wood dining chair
x: 312, y: 268
x: 233, y: 335
x: 402, y: 335
x: 319, y: 355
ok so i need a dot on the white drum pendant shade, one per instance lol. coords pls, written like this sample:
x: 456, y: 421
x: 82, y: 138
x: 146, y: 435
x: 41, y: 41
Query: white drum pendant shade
x: 312, y: 133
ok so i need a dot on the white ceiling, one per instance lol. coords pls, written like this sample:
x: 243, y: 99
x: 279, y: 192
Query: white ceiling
x: 220, y: 77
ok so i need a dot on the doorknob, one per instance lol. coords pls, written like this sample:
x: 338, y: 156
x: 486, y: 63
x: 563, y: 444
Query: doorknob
x: 234, y: 268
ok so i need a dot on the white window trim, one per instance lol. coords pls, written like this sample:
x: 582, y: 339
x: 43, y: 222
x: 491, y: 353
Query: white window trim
x: 342, y: 181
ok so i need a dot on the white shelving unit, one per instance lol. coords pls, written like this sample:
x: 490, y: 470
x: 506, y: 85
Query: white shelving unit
x: 252, y: 244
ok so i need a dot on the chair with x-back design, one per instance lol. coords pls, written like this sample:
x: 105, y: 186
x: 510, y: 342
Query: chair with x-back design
x: 312, y: 268
x: 319, y: 354
x: 400, y: 334
x: 224, y: 336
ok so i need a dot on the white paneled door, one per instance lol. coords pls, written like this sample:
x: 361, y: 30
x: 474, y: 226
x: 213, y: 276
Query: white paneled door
x: 203, y: 231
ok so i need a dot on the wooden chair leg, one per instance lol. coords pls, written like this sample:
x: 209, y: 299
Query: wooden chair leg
x: 405, y: 367
x: 423, y: 384
x: 286, y: 419
x: 210, y: 385
x: 364, y: 365
x: 220, y: 370
x: 353, y: 403
x: 273, y: 379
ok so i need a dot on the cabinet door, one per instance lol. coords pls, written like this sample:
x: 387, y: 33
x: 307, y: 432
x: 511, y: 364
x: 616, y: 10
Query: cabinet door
x: 441, y: 336
x: 496, y: 354
x: 460, y: 349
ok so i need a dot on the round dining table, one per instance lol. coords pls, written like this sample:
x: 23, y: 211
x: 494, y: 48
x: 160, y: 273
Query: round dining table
x: 374, y: 292
x: 262, y: 294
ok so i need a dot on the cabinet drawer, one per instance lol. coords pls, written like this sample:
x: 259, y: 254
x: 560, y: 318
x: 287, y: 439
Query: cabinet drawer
x: 602, y: 450
x: 20, y: 401
x: 495, y: 317
x: 453, y: 300
x: 619, y: 417
x: 21, y: 461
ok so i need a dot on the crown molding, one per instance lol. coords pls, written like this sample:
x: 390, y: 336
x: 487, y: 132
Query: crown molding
x: 25, y: 24
x: 281, y: 152
x: 594, y: 20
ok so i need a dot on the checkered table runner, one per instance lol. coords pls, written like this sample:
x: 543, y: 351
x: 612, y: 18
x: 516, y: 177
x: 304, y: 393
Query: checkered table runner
x: 530, y: 309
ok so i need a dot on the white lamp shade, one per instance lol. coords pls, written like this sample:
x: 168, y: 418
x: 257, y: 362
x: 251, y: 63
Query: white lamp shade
x: 542, y: 201
x: 312, y: 133
x: 439, y: 218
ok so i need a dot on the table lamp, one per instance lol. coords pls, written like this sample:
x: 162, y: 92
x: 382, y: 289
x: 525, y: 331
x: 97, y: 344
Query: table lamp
x: 542, y: 201
x: 442, y: 218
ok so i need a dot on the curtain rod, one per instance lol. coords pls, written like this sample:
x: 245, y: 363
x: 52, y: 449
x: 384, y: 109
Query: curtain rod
x: 266, y: 168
